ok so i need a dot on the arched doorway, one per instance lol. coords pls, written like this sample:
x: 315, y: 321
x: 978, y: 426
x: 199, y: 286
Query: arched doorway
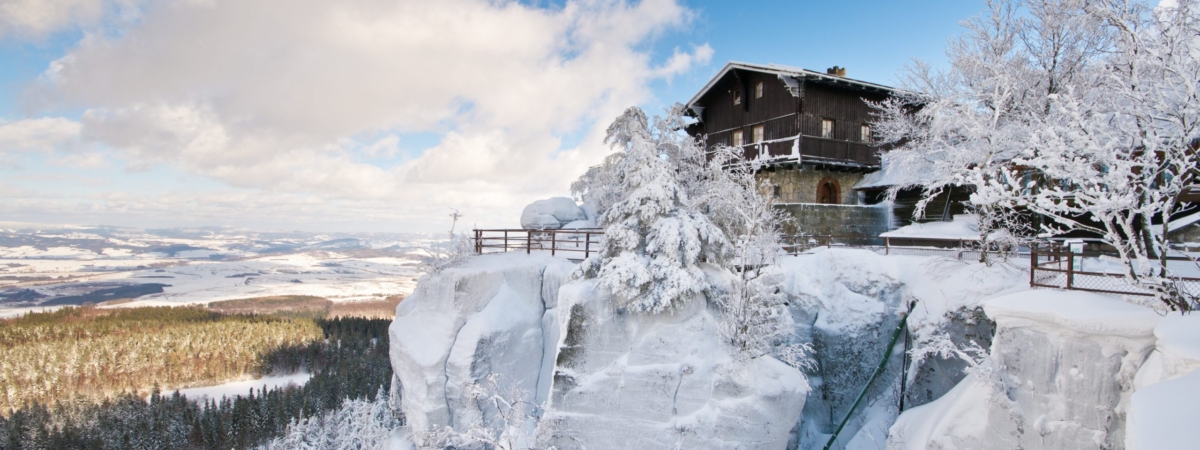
x: 828, y: 191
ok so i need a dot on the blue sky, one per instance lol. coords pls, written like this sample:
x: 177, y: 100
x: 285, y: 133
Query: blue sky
x: 353, y: 117
x: 872, y: 39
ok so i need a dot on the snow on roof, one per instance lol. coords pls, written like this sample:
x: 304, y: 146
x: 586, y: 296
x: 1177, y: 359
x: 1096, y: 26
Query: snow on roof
x: 1084, y: 312
x: 964, y: 226
x: 912, y: 172
x: 788, y: 71
x: 1183, y: 221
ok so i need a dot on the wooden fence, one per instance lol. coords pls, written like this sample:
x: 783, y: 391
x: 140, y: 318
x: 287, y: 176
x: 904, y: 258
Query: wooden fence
x: 576, y: 244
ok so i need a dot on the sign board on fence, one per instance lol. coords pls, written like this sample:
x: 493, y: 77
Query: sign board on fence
x: 1074, y: 245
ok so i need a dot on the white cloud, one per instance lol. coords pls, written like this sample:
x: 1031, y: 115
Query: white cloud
x: 40, y: 135
x: 280, y: 95
x: 35, y: 18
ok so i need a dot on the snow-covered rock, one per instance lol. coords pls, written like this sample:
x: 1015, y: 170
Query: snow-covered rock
x: 1063, y: 366
x: 608, y: 380
x: 1167, y: 401
x: 551, y: 214
x: 848, y: 303
x: 626, y: 380
x: 465, y: 323
x: 1176, y: 353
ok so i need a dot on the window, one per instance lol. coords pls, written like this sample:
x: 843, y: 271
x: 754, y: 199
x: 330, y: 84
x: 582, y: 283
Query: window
x: 776, y: 191
x: 827, y: 128
x: 737, y: 138
x: 737, y: 97
x: 865, y: 133
x: 758, y: 89
x: 758, y: 133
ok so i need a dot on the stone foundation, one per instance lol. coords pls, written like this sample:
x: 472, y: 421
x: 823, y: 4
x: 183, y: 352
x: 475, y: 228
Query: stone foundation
x: 800, y: 185
x: 847, y: 221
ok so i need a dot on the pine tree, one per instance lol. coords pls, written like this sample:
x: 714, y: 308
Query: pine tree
x: 656, y: 237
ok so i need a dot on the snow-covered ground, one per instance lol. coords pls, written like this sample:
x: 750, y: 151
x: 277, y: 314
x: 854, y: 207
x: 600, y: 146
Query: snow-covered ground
x: 39, y: 264
x: 243, y: 387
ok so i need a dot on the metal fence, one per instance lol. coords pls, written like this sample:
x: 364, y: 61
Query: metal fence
x: 575, y: 244
x: 1055, y: 266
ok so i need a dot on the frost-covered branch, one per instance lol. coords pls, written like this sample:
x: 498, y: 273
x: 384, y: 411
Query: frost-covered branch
x: 1083, y: 115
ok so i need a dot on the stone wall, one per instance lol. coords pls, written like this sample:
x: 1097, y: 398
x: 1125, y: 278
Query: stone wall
x: 800, y: 185
x: 864, y: 222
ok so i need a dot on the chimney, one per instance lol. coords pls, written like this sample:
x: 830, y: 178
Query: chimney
x: 836, y: 71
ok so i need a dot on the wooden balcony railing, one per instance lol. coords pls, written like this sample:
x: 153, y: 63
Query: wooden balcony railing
x: 835, y: 150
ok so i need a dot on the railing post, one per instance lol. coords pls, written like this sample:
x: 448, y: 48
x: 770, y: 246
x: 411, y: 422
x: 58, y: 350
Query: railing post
x: 478, y: 242
x: 1070, y: 270
x: 1032, y: 262
x: 587, y: 244
x: 887, y: 245
x: 528, y: 241
x: 505, y: 241
x: 553, y: 241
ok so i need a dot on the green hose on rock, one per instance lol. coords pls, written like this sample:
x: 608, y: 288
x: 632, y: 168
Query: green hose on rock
x: 878, y: 370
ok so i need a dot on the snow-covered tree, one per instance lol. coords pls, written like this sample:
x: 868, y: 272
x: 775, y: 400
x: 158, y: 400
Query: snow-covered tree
x: 656, y: 236
x: 754, y: 319
x: 669, y: 208
x: 1084, y: 113
x: 514, y: 423
x: 358, y: 423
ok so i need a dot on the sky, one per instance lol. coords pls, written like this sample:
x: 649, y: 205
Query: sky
x: 376, y: 115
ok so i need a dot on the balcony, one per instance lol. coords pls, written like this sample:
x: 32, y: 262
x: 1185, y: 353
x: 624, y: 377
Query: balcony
x: 835, y: 151
x: 815, y: 150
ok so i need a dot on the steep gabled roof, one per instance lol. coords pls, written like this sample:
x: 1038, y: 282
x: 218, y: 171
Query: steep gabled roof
x: 793, y: 72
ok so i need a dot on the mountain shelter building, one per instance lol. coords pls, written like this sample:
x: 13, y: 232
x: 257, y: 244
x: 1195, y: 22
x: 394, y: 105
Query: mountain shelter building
x: 812, y: 131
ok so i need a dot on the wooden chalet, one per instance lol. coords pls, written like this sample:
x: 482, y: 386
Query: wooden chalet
x: 812, y: 129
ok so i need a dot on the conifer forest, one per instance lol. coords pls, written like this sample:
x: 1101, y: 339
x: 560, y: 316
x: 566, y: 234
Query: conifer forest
x: 82, y: 378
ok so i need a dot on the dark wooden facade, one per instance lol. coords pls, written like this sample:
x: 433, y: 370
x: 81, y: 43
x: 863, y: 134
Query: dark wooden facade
x: 791, y: 109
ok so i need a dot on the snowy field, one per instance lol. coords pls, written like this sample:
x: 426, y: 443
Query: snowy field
x: 43, y: 265
x: 235, y: 388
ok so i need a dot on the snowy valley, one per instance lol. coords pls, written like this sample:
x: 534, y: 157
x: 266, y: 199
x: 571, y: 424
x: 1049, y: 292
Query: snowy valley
x: 45, y: 266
